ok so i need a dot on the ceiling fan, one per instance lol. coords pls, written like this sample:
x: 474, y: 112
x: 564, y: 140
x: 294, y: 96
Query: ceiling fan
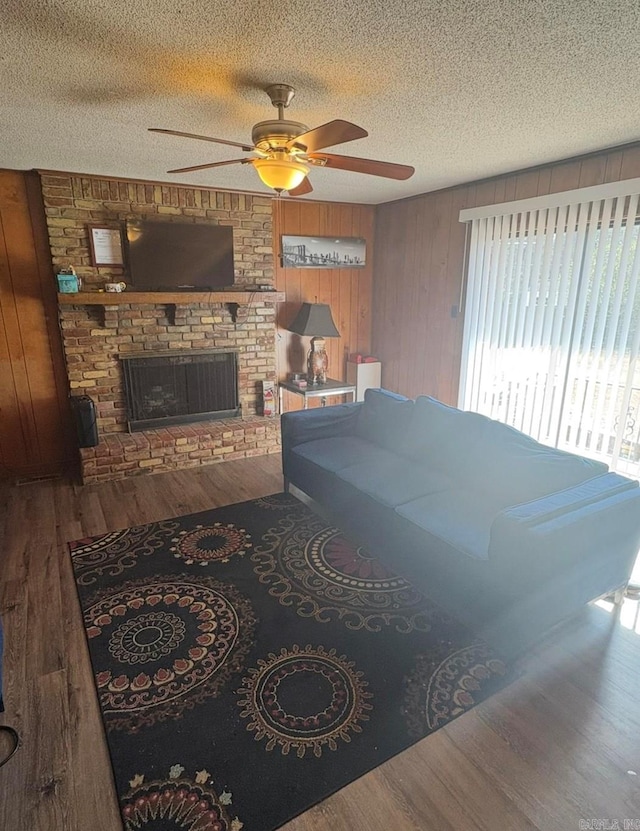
x: 286, y: 150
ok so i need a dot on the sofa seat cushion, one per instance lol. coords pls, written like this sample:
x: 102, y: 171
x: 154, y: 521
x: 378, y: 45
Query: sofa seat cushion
x: 336, y: 453
x: 458, y: 517
x: 393, y: 480
x: 384, y: 418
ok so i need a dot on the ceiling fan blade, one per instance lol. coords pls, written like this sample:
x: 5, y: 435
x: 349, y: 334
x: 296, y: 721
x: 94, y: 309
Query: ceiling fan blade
x: 206, y: 166
x: 304, y: 187
x: 370, y: 166
x: 247, y: 147
x: 333, y: 132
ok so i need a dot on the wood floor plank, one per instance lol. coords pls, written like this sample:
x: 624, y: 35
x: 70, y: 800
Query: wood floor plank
x: 48, y: 797
x: 481, y: 804
x: 553, y: 748
x: 16, y: 539
x: 93, y: 791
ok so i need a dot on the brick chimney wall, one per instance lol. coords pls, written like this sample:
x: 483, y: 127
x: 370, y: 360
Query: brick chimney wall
x: 72, y: 203
x: 94, y: 337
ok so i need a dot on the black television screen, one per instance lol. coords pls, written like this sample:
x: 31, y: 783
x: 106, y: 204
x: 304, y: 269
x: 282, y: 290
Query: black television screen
x: 177, y: 256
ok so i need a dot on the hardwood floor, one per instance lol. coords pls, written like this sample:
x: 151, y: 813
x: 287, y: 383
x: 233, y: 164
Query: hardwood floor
x: 558, y: 746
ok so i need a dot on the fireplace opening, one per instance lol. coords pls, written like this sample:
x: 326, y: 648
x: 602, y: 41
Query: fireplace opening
x: 179, y: 388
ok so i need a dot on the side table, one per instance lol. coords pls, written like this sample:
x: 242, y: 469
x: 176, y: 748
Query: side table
x: 321, y: 391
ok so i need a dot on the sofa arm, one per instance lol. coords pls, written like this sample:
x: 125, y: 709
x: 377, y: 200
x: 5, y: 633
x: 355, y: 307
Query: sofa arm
x: 319, y: 423
x: 598, y: 518
x: 570, y: 499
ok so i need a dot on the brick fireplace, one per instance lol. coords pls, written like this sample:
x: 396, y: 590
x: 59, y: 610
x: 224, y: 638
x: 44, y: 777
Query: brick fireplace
x: 98, y: 333
x: 96, y: 338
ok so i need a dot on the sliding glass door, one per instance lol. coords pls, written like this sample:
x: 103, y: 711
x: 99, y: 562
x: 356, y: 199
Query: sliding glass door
x: 601, y: 412
x: 552, y: 325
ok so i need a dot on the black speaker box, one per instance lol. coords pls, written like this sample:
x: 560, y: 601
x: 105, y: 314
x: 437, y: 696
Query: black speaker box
x: 85, y: 417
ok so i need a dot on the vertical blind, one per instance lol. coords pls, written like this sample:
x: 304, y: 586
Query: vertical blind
x: 552, y: 320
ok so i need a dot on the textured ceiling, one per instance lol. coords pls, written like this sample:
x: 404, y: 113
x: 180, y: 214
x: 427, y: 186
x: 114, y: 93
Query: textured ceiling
x: 461, y: 89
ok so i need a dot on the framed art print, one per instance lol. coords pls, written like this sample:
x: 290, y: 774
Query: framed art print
x: 323, y: 252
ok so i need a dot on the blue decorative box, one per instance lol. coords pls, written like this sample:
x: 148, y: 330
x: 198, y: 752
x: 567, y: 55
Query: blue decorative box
x: 68, y: 283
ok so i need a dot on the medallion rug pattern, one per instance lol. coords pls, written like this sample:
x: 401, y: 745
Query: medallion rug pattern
x: 251, y: 660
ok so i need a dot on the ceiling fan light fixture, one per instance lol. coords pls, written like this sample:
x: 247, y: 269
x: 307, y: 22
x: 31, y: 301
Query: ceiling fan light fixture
x: 280, y: 174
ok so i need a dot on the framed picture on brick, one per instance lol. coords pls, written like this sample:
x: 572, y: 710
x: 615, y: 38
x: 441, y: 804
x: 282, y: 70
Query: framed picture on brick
x: 106, y: 245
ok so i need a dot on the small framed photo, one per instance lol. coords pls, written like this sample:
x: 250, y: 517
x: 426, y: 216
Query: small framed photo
x: 323, y: 252
x: 106, y: 245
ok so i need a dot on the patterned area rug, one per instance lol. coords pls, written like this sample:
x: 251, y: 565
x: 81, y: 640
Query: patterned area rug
x: 250, y: 661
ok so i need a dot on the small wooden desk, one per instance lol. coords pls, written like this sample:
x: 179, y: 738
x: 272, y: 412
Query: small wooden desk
x: 321, y: 391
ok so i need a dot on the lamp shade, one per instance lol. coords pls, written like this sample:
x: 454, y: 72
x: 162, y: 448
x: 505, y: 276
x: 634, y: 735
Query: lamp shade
x: 314, y: 319
x: 280, y: 174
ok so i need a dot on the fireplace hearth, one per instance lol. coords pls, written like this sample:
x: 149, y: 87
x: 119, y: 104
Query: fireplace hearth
x: 179, y: 388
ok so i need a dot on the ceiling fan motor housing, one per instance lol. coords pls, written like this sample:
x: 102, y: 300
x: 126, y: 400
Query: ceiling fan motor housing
x: 267, y: 135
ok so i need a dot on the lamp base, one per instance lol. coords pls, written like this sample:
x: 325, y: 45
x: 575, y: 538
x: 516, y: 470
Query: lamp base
x: 317, y: 362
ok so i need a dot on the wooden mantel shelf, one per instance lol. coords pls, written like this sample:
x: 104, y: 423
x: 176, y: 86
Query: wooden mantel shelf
x: 178, y: 298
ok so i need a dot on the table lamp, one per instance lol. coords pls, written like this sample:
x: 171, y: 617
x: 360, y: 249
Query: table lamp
x: 315, y: 319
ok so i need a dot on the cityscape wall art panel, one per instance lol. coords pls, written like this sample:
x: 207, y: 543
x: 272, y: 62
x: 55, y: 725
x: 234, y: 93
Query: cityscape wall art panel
x: 323, y: 252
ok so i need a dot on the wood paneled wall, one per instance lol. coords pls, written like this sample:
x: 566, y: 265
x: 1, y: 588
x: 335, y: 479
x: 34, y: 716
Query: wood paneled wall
x: 347, y: 291
x: 419, y: 267
x: 34, y: 419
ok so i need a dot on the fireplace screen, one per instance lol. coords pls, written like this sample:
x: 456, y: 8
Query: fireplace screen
x: 180, y: 388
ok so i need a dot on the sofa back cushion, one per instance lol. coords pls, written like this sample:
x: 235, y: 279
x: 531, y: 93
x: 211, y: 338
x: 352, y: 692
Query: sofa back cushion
x: 384, y: 418
x: 491, y: 457
x: 520, y: 469
x: 444, y: 436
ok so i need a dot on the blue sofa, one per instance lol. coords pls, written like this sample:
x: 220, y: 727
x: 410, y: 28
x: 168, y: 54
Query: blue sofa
x: 509, y: 535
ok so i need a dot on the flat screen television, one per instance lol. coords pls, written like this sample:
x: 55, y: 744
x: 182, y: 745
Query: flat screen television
x: 179, y: 256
